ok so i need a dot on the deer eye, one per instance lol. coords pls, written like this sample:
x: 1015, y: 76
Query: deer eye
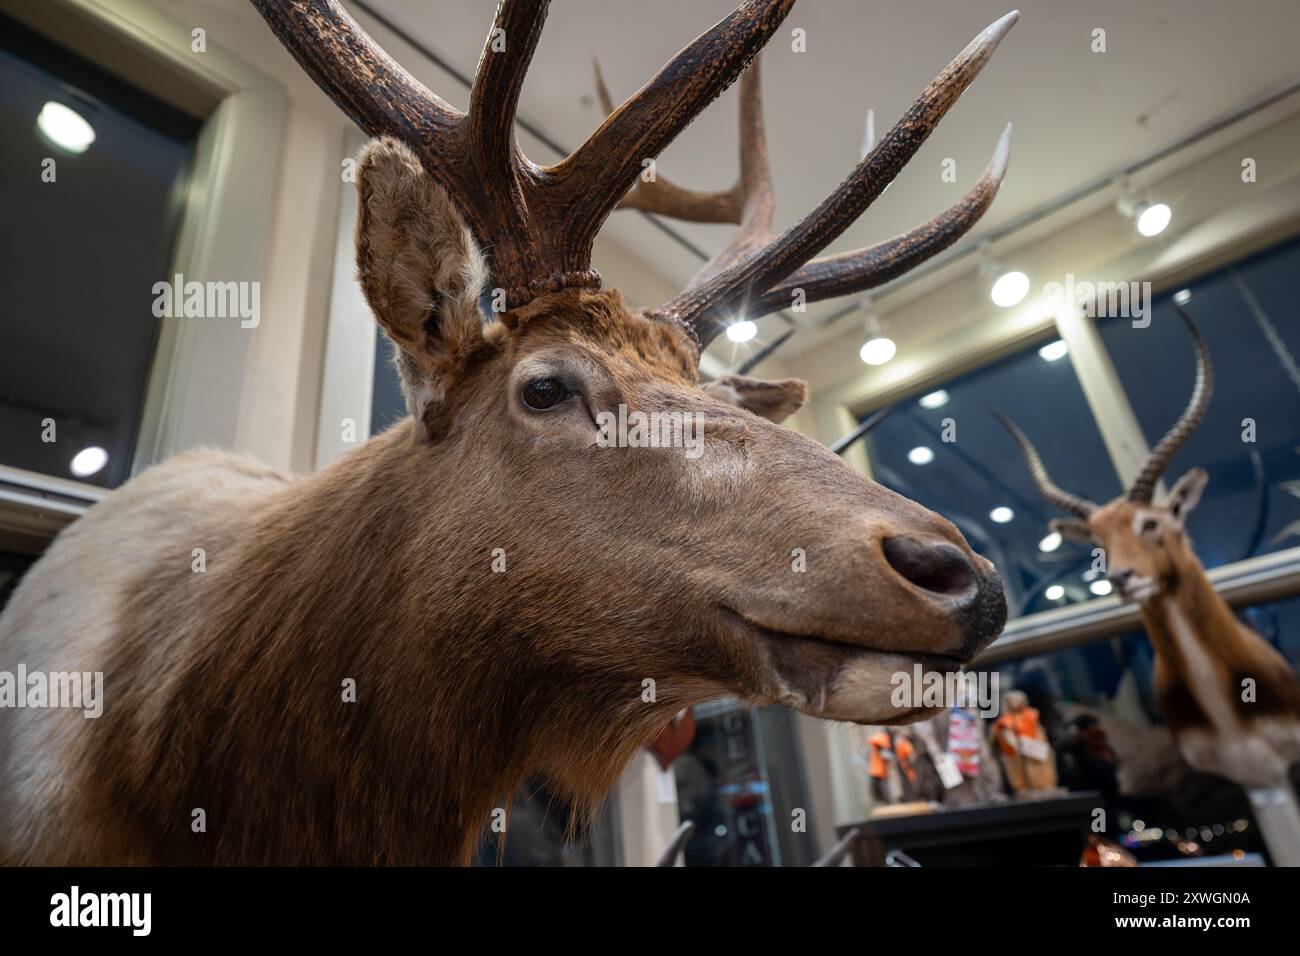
x: 542, y: 393
x: 1149, y: 525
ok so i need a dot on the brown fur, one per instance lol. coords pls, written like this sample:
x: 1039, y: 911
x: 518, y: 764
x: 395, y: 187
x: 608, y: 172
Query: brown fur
x: 623, y: 565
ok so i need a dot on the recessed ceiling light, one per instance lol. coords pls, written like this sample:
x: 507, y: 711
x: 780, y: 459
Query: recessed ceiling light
x: 1051, y: 542
x: 1010, y: 289
x: 1002, y: 514
x: 65, y: 127
x: 935, y: 399
x: 1100, y: 587
x: 1054, y: 592
x: 1054, y: 351
x: 921, y: 455
x: 878, y: 351
x: 88, y: 461
x: 742, y: 331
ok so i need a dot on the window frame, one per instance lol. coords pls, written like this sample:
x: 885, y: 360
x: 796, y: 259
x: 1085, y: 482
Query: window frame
x: 224, y: 229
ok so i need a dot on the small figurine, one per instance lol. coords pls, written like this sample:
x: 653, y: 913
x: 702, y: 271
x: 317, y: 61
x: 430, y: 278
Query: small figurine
x: 890, y: 764
x: 1027, y: 757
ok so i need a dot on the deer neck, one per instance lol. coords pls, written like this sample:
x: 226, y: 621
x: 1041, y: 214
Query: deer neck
x: 353, y: 575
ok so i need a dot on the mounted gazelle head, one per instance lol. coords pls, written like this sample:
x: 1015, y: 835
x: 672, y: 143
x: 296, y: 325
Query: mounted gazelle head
x: 642, y: 562
x: 1146, y: 546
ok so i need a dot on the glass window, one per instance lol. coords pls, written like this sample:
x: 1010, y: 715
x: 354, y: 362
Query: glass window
x: 1249, y: 318
x: 979, y: 480
x: 739, y: 783
x: 86, y: 238
x: 1097, y: 704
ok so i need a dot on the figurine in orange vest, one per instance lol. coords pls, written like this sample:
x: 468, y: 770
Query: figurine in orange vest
x: 890, y: 766
x: 1027, y: 757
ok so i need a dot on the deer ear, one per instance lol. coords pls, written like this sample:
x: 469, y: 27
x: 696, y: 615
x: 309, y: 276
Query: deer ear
x: 1186, y: 493
x: 420, y: 270
x: 1076, y: 529
x: 775, y: 401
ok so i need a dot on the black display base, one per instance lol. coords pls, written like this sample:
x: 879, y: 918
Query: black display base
x: 1048, y: 832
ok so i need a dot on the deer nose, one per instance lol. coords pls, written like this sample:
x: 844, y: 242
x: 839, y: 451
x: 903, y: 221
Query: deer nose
x: 937, y: 567
x: 975, y: 599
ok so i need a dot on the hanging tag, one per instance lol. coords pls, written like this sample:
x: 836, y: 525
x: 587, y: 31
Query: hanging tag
x: 949, y: 773
x: 666, y: 784
x: 1034, y: 749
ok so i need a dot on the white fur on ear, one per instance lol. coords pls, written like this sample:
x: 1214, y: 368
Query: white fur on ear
x: 1186, y: 493
x: 775, y: 401
x: 419, y: 267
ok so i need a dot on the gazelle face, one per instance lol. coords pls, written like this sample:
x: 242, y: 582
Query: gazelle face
x: 742, y: 559
x: 1145, y: 544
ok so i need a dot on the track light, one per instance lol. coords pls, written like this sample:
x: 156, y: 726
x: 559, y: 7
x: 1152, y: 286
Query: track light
x: 742, y: 330
x: 1009, y: 286
x: 1149, y: 218
x: 878, y: 348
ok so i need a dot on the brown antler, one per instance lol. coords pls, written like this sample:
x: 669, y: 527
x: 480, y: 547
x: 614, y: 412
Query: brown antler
x: 1080, y: 507
x: 1164, y: 452
x: 754, y: 277
x: 536, y: 223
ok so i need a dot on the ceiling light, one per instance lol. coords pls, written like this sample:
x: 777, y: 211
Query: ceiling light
x: 921, y: 455
x: 1053, y: 351
x: 1050, y: 543
x: 88, y: 461
x: 65, y: 128
x: 879, y: 348
x: 1150, y: 218
x: 1010, y: 288
x: 1054, y: 592
x: 1153, y: 218
x: 742, y: 331
x: 878, y: 351
x: 1002, y: 514
x: 1100, y: 587
x: 1183, y: 296
x: 936, y: 399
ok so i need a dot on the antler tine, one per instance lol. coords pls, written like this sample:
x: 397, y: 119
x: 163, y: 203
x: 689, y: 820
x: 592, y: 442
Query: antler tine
x: 499, y: 79
x: 666, y: 198
x: 598, y: 174
x: 754, y: 185
x: 871, y: 266
x: 1080, y: 507
x: 702, y: 307
x: 366, y: 83
x: 1159, y: 459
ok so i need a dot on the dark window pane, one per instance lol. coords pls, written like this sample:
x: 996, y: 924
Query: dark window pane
x: 80, y: 257
x: 1252, y: 495
x: 982, y: 470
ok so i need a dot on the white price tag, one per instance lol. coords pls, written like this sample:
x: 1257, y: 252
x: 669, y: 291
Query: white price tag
x: 667, y: 786
x: 949, y: 773
x: 1034, y: 749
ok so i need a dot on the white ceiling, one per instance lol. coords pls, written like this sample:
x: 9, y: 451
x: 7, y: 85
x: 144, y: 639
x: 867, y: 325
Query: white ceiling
x: 1170, y: 66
